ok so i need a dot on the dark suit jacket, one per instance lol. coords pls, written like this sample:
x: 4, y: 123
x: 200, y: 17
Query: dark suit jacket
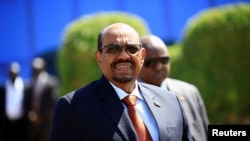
x: 193, y: 106
x: 95, y: 113
x: 49, y: 94
x: 3, y: 116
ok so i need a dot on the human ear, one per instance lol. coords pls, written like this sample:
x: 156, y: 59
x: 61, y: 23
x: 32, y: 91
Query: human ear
x: 98, y: 57
x: 143, y: 54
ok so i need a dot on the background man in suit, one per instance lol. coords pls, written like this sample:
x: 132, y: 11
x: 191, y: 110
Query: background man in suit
x: 96, y: 112
x: 13, y: 112
x: 156, y: 70
x: 42, y: 92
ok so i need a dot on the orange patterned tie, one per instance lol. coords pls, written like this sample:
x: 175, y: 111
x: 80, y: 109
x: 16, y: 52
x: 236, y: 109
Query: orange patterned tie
x: 141, y: 129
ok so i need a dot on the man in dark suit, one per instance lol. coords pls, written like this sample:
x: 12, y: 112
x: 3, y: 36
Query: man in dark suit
x: 13, y: 109
x: 96, y: 112
x: 42, y: 92
x: 156, y: 70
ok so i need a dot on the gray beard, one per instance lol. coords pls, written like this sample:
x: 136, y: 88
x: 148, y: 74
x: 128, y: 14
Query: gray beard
x: 123, y: 79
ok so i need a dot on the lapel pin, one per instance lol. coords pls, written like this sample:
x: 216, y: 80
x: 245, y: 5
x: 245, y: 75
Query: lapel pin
x: 157, y: 104
x: 181, y: 97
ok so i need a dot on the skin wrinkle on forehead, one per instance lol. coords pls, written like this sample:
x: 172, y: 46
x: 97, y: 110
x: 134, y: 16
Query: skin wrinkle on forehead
x: 121, y: 39
x: 156, y: 53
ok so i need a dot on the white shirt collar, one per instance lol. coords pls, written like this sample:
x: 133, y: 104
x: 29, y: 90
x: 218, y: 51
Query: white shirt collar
x: 121, y: 93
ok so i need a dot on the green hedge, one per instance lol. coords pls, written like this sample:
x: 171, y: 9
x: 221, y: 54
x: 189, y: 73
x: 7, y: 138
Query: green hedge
x: 215, y: 56
x: 76, y: 63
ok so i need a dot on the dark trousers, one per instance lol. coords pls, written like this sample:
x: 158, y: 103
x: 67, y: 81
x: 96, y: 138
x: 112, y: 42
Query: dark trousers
x: 15, y: 130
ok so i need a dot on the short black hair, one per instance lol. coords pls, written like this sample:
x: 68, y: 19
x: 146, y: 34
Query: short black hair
x: 99, y: 40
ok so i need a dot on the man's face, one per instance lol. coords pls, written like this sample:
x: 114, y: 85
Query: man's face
x: 121, y: 56
x: 156, y: 66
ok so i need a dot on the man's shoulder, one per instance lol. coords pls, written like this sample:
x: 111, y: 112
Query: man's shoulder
x: 81, y: 91
x: 156, y: 90
x: 179, y: 83
x: 147, y: 85
x: 150, y: 86
x: 2, y: 87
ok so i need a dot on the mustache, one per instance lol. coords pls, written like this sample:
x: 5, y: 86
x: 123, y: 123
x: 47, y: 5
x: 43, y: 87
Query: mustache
x: 159, y: 72
x: 122, y: 61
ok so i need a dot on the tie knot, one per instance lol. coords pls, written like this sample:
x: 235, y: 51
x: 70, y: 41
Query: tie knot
x: 130, y: 100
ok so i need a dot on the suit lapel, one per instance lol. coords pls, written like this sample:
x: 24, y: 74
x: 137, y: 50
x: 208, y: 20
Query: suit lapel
x: 176, y: 89
x: 155, y: 105
x: 171, y: 86
x: 113, y: 107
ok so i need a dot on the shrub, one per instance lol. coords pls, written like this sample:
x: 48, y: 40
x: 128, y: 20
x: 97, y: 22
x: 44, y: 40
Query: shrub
x: 216, y: 58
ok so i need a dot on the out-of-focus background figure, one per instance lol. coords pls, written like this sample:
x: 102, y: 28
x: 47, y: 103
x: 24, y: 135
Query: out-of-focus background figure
x: 13, y: 119
x: 42, y: 92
